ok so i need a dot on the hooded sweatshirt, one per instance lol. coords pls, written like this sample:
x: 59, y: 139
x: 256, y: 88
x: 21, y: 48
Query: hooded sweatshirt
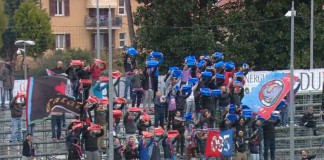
x: 156, y: 153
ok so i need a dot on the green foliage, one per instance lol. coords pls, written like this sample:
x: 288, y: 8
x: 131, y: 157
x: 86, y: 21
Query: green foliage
x: 3, y: 21
x: 34, y: 24
x: 178, y: 28
x: 250, y: 31
x: 9, y: 36
x: 49, y: 61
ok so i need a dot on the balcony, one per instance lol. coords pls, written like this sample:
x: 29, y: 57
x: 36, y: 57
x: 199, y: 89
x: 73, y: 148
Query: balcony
x: 90, y: 22
x: 102, y: 3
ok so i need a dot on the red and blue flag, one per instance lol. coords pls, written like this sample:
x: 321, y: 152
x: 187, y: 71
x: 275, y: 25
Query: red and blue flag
x: 264, y: 98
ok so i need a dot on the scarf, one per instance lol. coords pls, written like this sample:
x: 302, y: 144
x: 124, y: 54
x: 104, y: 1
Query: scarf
x: 168, y: 141
x: 78, y: 149
x: 132, y: 145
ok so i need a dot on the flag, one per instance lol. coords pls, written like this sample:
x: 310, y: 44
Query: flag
x: 63, y: 103
x: 39, y: 91
x: 228, y: 148
x: 50, y: 72
x: 268, y: 94
x: 213, y: 144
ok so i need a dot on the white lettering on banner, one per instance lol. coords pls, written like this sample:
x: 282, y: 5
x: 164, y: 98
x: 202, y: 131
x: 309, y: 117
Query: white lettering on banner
x: 310, y: 80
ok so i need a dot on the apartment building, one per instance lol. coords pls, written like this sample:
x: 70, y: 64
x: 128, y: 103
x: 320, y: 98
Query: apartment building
x: 74, y: 23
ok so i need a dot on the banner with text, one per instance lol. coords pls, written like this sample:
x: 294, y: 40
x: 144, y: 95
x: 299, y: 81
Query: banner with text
x: 310, y: 80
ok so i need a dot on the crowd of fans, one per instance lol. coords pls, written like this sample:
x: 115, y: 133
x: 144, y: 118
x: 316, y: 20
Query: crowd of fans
x: 203, y: 94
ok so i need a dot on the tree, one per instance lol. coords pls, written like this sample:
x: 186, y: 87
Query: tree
x: 260, y: 34
x: 178, y: 28
x: 130, y: 20
x: 3, y: 21
x: 9, y: 36
x: 34, y: 23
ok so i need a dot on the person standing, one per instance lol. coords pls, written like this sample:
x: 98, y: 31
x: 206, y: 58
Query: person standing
x: 159, y: 109
x: 75, y: 152
x: 97, y: 67
x: 269, y: 138
x: 308, y: 120
x: 136, y: 83
x: 56, y: 120
x: 59, y: 71
x: 91, y: 142
x: 241, y: 146
x: 16, y: 114
x: 28, y: 151
x: 179, y: 124
x: 147, y: 85
x: 128, y: 68
x: 8, y: 80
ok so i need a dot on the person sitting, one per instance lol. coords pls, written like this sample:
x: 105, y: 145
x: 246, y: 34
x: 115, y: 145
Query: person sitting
x: 308, y: 120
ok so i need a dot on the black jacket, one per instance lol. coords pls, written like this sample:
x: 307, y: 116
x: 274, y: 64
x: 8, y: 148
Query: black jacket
x: 166, y: 147
x: 90, y: 141
x: 117, y: 154
x: 159, y: 107
x: 309, y: 157
x: 141, y: 126
x: 240, y: 144
x: 73, y: 153
x: 58, y: 70
x: 146, y: 80
x: 269, y: 129
x: 224, y: 100
x: 309, y: 119
x: 178, y: 125
x: 28, y: 150
x: 130, y: 153
x: 201, y: 144
x: 181, y: 101
x: 16, y: 108
x: 156, y: 153
x: 71, y: 72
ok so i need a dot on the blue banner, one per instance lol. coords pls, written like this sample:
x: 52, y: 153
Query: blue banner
x: 228, y: 143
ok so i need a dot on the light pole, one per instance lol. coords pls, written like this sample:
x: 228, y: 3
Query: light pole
x: 98, y: 32
x: 111, y: 85
x: 311, y: 66
x: 22, y: 44
x: 292, y: 14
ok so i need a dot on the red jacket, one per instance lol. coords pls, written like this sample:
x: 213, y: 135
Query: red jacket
x: 96, y: 71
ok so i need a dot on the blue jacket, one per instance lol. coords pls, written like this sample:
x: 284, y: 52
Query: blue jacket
x: 97, y: 89
x: 144, y: 149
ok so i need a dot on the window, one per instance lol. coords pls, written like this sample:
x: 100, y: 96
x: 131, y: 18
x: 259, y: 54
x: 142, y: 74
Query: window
x: 122, y: 40
x: 60, y: 41
x: 59, y: 7
x: 121, y: 7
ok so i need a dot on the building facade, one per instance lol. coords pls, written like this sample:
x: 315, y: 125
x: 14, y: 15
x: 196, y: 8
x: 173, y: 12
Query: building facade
x: 74, y: 23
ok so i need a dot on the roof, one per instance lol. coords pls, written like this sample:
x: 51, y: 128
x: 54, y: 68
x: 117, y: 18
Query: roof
x: 222, y: 2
